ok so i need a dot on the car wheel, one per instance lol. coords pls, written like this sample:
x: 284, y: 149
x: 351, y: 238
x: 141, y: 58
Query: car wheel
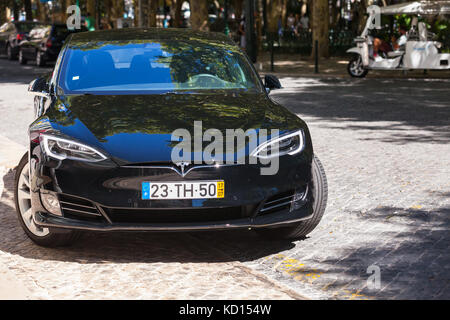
x: 22, y: 59
x: 40, y: 61
x: 22, y: 196
x: 356, y: 68
x: 320, y: 194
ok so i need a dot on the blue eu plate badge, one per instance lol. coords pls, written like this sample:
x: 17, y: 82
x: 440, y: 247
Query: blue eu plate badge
x: 146, y: 191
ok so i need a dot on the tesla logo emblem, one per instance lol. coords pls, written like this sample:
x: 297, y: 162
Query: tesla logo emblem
x: 182, y: 165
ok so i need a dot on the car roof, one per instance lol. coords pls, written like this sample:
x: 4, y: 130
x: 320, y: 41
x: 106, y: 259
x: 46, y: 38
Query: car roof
x: 418, y: 7
x: 128, y: 34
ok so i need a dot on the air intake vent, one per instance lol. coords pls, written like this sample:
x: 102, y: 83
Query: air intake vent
x: 280, y: 201
x: 122, y: 215
x: 74, y: 206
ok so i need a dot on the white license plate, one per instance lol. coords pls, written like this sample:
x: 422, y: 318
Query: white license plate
x: 183, y: 190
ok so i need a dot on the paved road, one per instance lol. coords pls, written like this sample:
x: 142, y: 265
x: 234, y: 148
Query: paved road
x: 385, y: 148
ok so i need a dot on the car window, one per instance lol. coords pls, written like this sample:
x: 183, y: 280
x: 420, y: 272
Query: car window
x: 146, y: 66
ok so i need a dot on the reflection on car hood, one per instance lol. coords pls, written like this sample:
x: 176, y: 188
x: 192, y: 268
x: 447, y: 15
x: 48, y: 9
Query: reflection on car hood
x: 138, y: 128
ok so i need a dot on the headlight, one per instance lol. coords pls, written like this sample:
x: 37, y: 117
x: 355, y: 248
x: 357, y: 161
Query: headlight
x: 291, y: 143
x: 61, y: 149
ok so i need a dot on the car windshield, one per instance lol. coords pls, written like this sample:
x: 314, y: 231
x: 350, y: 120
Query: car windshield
x: 145, y: 66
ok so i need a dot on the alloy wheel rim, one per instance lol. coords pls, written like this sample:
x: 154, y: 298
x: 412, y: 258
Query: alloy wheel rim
x: 356, y: 67
x: 24, y: 200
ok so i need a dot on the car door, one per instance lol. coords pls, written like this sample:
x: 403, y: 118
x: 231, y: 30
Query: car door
x: 34, y: 41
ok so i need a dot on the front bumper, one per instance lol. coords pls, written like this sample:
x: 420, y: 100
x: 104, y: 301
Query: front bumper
x: 107, y: 197
x: 275, y: 220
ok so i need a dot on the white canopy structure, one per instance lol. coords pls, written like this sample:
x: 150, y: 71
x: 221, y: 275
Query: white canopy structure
x: 418, y: 7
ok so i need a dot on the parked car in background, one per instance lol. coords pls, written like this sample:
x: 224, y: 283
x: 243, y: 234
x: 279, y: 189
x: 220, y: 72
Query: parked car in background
x: 44, y: 43
x: 11, y: 33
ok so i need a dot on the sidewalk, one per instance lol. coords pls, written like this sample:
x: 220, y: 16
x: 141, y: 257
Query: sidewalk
x: 10, y: 287
x: 296, y: 65
x: 10, y: 152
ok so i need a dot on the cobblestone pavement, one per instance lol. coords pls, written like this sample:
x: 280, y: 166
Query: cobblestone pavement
x: 126, y: 266
x: 385, y: 147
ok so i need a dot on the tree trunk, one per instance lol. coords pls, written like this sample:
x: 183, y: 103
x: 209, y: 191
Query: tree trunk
x: 15, y: 10
x: 28, y: 11
x: 175, y: 13
x: 2, y: 12
x: 152, y: 10
x: 64, y: 5
x: 136, y: 12
x: 199, y: 15
x: 117, y: 10
x: 274, y: 12
x: 237, y: 6
x: 41, y: 12
x: 284, y: 12
x: 320, y: 23
x: 91, y: 8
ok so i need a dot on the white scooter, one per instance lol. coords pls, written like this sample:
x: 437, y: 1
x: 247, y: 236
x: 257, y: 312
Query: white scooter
x: 419, y: 52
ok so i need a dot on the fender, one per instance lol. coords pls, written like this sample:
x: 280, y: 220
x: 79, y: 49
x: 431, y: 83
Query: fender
x: 354, y: 50
x: 363, y: 51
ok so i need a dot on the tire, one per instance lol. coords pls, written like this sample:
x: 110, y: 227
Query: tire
x: 22, y: 59
x: 41, y: 236
x: 303, y: 228
x: 40, y: 60
x: 355, y: 68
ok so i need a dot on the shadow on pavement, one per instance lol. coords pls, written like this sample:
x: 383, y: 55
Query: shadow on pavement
x: 413, y: 264
x: 412, y: 254
x: 407, y: 110
x: 125, y: 247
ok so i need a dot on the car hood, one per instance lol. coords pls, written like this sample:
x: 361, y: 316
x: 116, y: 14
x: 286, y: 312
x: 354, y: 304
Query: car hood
x: 138, y: 128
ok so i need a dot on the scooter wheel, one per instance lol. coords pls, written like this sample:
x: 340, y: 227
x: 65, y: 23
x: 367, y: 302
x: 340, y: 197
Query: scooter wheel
x: 355, y: 68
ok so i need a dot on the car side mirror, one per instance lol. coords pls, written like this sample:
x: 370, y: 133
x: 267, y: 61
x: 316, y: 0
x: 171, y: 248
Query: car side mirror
x: 39, y: 87
x: 271, y: 82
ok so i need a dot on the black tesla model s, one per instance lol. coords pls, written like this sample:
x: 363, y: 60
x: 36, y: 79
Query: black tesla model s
x: 123, y: 138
